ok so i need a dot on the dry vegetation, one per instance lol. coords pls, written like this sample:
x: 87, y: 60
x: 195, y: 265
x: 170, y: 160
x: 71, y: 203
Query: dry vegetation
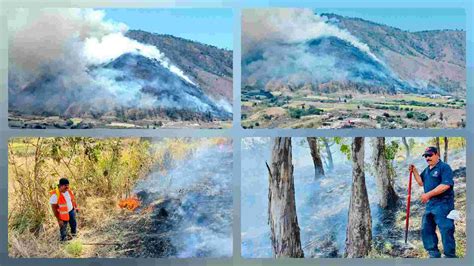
x: 102, y: 172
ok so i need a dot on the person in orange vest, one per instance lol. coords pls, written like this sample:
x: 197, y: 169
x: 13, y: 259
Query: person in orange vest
x: 64, y: 208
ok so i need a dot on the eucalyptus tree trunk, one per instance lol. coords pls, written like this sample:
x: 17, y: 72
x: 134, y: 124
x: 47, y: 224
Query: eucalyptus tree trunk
x: 330, y: 164
x: 318, y: 163
x: 359, y: 226
x: 445, y: 149
x: 438, y: 146
x: 407, y: 148
x: 285, y: 232
x: 383, y: 175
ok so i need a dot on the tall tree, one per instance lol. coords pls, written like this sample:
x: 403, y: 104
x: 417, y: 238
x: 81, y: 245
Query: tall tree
x: 437, y: 145
x: 318, y: 163
x: 359, y: 226
x: 445, y: 149
x: 282, y: 218
x: 407, y: 149
x: 383, y: 174
x: 330, y: 161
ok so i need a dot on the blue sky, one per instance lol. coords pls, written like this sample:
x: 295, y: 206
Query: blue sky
x: 212, y: 26
x: 411, y: 19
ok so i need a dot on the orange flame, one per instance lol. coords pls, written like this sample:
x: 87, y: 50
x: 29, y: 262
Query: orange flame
x: 130, y: 204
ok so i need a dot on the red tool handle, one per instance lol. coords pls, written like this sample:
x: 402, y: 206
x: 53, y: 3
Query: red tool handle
x: 408, y: 207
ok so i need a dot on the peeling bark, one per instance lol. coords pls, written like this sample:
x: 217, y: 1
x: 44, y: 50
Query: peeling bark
x: 318, y: 163
x: 282, y: 218
x: 383, y: 175
x: 359, y: 226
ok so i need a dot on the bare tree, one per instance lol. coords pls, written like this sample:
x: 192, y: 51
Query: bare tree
x: 445, y: 149
x: 327, y: 146
x: 437, y: 145
x: 359, y: 226
x: 282, y: 218
x: 407, y: 149
x: 383, y: 174
x: 318, y: 163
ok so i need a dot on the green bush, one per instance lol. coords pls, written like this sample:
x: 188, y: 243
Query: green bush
x: 298, y: 113
x: 295, y: 113
x: 69, y: 122
x: 417, y: 116
x: 74, y: 248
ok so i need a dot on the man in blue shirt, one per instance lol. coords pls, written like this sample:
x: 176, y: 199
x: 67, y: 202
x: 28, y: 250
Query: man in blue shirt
x: 438, y: 184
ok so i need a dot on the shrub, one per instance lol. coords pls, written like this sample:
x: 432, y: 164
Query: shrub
x: 298, y: 113
x: 74, y: 248
x: 417, y: 116
x: 69, y: 122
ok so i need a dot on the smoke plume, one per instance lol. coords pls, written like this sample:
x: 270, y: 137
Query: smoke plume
x: 276, y: 48
x: 290, y: 25
x: 58, y: 62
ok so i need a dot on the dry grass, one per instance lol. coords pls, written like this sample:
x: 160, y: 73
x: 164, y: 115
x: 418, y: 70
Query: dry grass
x: 126, y: 160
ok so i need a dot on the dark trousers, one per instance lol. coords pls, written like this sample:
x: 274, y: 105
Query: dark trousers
x: 72, y: 223
x: 436, y: 216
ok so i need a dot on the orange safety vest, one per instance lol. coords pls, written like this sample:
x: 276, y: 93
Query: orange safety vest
x: 62, y: 204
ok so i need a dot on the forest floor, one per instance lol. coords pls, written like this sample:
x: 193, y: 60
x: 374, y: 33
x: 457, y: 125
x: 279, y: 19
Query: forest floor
x: 390, y: 240
x: 351, y: 110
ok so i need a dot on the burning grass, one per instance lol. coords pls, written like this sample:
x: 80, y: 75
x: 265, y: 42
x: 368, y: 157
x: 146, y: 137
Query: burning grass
x: 102, y: 173
x: 130, y: 204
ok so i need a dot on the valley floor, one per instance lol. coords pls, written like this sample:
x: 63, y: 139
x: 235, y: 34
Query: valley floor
x: 16, y: 120
x: 352, y: 110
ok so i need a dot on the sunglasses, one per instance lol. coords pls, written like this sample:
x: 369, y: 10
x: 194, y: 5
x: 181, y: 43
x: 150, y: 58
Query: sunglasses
x: 428, y: 156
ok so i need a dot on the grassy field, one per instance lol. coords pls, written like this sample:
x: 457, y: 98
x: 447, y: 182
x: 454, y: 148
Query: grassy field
x: 351, y: 110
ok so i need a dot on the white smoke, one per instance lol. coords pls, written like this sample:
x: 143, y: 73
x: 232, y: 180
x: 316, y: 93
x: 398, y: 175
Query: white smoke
x: 113, y: 45
x: 290, y: 25
x: 51, y: 38
x: 292, y: 65
x: 202, y: 182
x: 65, y: 44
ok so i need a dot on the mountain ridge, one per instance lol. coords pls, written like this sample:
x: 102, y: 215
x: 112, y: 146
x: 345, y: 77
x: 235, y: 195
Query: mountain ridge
x: 211, y: 67
x: 136, y: 85
x: 437, y: 57
x: 431, y: 61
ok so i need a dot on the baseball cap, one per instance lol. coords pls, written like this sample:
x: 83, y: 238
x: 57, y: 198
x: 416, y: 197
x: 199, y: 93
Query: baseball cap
x: 430, y: 151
